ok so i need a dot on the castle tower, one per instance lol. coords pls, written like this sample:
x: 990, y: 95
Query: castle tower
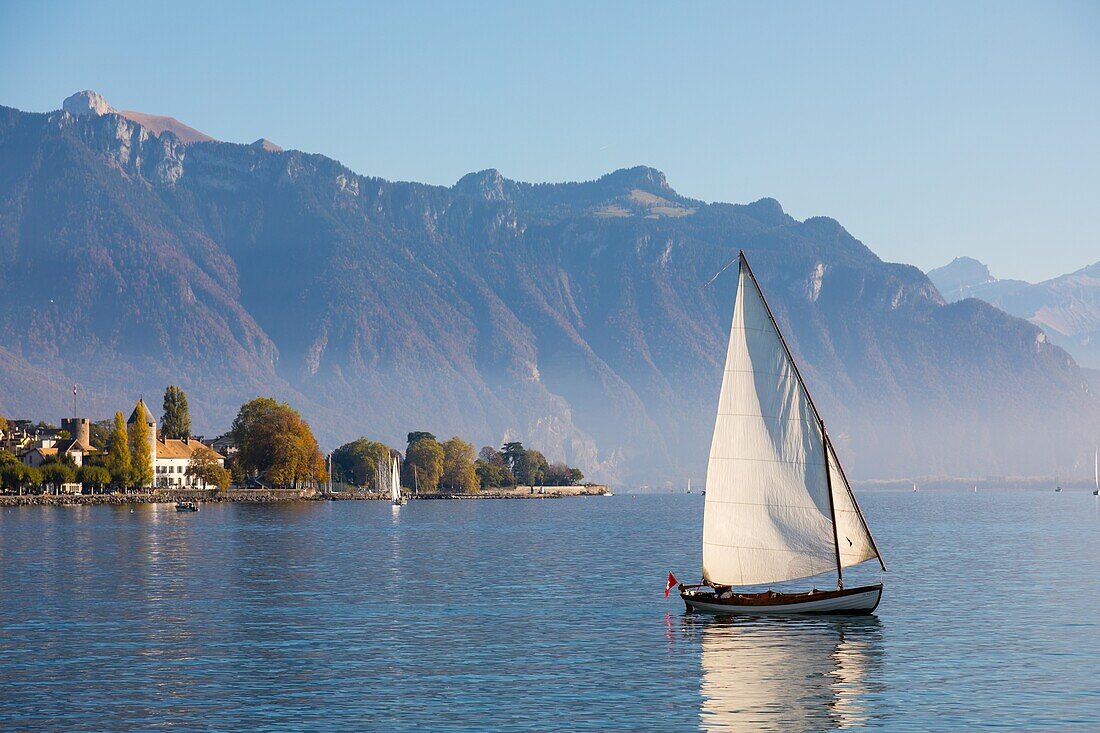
x: 80, y: 428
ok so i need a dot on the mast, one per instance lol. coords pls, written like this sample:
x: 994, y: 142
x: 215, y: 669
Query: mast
x: 832, y: 507
x: 825, y: 442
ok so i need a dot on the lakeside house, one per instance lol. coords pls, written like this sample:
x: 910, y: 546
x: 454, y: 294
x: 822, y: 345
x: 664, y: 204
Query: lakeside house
x: 170, y: 461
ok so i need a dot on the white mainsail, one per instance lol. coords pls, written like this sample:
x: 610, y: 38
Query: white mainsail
x: 395, y: 481
x: 768, y: 515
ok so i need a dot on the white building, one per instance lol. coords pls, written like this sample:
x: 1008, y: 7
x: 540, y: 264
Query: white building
x: 170, y: 461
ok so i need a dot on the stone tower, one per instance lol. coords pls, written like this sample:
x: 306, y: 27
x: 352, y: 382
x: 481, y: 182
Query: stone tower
x: 79, y: 428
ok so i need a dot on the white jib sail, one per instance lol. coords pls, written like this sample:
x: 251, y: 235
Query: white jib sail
x: 395, y: 481
x: 853, y: 538
x: 767, y: 516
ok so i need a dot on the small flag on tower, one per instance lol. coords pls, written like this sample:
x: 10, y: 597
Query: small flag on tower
x: 74, y: 390
x: 670, y: 584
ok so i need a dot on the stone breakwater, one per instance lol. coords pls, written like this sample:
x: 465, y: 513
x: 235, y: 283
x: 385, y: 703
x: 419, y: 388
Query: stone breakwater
x: 160, y: 497
x: 266, y: 496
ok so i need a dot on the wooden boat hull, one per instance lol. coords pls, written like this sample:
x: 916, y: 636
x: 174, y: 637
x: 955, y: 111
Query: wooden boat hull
x: 862, y: 600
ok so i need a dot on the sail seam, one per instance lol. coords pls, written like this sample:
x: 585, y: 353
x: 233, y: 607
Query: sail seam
x: 765, y: 417
x: 766, y: 460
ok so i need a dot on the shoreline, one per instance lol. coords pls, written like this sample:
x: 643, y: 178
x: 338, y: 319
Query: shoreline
x: 274, y: 496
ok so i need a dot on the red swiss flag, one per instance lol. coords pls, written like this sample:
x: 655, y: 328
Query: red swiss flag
x: 670, y: 584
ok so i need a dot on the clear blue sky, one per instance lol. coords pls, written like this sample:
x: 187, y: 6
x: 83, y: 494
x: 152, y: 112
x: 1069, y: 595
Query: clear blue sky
x: 928, y: 130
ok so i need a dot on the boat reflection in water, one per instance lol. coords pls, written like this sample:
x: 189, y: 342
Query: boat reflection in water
x: 806, y: 674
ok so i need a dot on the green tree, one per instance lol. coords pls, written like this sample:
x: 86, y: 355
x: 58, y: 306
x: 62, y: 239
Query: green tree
x: 274, y: 442
x: 458, y: 466
x: 176, y: 420
x: 530, y: 468
x: 12, y: 473
x: 559, y: 474
x: 417, y: 435
x: 3, y: 423
x: 56, y: 474
x: 423, y: 463
x: 357, y: 462
x: 93, y: 477
x: 512, y: 453
x: 204, y: 467
x: 118, y: 453
x: 99, y: 433
x: 14, y: 476
x: 141, y: 453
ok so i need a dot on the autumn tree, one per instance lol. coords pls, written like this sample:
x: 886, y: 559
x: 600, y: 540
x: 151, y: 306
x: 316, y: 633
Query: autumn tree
x: 141, y: 453
x: 118, y: 452
x: 204, y: 467
x: 274, y: 441
x: 176, y: 420
x: 458, y: 466
x: 357, y: 462
x: 423, y: 462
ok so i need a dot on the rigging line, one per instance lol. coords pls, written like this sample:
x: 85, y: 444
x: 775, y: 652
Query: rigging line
x: 708, y: 282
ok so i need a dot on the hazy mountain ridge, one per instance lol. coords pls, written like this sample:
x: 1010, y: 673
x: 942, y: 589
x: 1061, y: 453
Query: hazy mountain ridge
x: 1066, y: 307
x: 569, y: 315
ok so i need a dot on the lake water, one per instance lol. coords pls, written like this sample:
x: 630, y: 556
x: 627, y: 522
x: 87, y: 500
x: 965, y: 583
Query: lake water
x: 534, y: 616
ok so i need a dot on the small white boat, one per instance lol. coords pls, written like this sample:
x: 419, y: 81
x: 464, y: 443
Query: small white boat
x: 1096, y: 471
x: 778, y: 506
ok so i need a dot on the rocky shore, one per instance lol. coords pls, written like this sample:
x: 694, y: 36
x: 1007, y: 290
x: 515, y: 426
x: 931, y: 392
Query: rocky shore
x: 267, y: 496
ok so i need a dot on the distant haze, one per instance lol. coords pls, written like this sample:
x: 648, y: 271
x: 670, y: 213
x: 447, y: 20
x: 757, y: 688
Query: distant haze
x: 569, y: 316
x: 930, y: 129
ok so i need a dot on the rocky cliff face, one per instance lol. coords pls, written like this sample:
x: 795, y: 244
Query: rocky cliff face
x: 1067, y: 307
x: 570, y: 316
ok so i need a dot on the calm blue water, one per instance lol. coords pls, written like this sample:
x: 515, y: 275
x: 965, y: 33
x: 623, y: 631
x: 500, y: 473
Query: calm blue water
x: 533, y: 616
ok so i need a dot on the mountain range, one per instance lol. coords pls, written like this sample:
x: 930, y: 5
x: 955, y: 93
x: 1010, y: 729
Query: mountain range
x: 1066, y: 307
x: 571, y: 316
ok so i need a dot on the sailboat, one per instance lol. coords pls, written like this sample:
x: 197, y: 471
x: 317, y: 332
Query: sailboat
x: 778, y: 506
x: 689, y: 486
x: 1096, y: 471
x: 395, y: 484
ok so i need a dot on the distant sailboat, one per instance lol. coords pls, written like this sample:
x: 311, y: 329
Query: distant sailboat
x: 778, y: 505
x: 395, y: 484
x: 689, y: 486
x: 915, y: 487
x: 1096, y: 471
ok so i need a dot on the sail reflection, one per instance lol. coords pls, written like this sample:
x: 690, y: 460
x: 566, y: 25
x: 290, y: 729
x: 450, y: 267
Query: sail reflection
x: 799, y: 675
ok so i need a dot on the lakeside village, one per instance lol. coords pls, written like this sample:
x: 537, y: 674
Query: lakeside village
x: 269, y: 453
